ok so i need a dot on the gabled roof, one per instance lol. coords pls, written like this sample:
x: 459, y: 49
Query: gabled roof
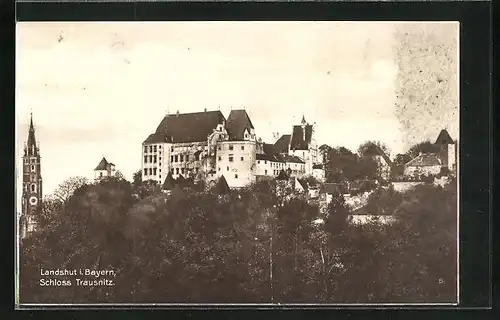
x: 264, y: 157
x: 269, y: 149
x: 236, y: 124
x: 103, y: 165
x: 221, y: 187
x: 169, y: 183
x: 424, y: 160
x: 186, y: 127
x: 156, y: 138
x: 282, y: 175
x: 298, y: 142
x: 281, y: 146
x: 444, y: 138
x: 291, y: 159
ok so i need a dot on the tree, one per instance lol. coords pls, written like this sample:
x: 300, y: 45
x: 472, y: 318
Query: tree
x: 324, y: 151
x: 342, y: 165
x: 372, y: 148
x: 51, y: 206
x: 422, y: 147
x: 66, y: 189
x: 375, y: 257
x: 137, y: 179
x: 119, y: 175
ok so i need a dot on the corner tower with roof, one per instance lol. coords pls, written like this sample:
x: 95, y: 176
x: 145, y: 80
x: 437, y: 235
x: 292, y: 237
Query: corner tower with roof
x: 236, y: 155
x: 303, y: 145
x: 32, y: 183
x: 104, y: 169
x: 448, y: 150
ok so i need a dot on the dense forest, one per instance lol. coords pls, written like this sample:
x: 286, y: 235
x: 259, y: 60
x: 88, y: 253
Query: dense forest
x: 240, y: 246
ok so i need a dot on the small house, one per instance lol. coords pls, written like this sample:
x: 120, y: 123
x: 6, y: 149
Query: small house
x: 104, y: 169
x: 423, y: 164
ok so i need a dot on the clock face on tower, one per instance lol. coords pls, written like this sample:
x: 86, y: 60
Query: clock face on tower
x: 33, y: 201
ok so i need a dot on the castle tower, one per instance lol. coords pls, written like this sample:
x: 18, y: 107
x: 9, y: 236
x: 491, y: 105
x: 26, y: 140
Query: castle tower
x: 448, y: 152
x: 32, y: 182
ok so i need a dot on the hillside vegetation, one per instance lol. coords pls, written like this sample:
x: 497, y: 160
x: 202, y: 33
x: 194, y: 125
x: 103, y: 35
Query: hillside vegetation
x: 246, y: 246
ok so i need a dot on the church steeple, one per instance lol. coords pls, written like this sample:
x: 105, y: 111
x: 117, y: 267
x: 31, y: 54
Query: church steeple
x: 32, y: 182
x: 31, y: 149
x: 303, y: 122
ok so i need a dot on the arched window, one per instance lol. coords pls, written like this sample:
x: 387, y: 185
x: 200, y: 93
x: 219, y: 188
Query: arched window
x: 33, y: 187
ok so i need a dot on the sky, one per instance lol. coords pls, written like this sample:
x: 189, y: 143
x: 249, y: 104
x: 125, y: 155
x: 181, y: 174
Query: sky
x: 99, y: 89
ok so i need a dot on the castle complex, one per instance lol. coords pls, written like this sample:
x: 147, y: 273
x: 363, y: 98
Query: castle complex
x: 32, y: 183
x: 206, y: 145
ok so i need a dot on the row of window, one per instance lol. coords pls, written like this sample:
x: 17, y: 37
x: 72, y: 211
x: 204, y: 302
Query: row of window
x: 151, y: 159
x: 180, y: 158
x: 231, y: 147
x: 231, y: 158
x: 151, y: 149
x: 26, y: 161
x: 151, y: 171
x: 273, y: 164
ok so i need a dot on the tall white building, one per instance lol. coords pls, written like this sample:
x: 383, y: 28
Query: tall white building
x: 201, y: 145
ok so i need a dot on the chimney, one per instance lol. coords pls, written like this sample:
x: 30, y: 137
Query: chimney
x: 205, y: 110
x: 177, y: 113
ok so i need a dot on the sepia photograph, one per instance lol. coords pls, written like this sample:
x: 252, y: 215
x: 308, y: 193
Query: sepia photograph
x: 237, y: 163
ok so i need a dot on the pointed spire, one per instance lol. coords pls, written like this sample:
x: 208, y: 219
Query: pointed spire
x: 32, y: 128
x: 31, y: 143
x: 303, y: 120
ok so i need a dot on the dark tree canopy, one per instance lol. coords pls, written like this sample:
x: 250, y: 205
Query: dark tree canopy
x: 249, y: 246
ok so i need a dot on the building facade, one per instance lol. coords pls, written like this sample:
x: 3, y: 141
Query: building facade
x: 433, y: 163
x: 206, y: 146
x: 32, y: 183
x: 202, y: 146
x: 104, y: 169
x: 423, y: 164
